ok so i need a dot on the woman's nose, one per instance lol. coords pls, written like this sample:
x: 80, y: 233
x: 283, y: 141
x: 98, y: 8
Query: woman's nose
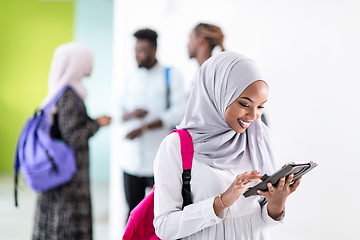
x: 252, y: 114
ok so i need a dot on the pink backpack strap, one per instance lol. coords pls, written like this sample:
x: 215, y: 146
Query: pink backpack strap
x: 187, y: 153
x: 187, y: 148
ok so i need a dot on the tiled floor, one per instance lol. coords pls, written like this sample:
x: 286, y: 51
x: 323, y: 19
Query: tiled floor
x: 16, y: 223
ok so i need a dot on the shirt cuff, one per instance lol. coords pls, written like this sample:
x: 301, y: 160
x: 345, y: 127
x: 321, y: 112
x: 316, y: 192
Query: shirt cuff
x: 209, y: 213
x: 269, y: 222
x: 93, y: 127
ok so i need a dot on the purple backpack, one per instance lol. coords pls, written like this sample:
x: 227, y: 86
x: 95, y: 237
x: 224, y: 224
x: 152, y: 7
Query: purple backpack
x: 140, y: 224
x: 45, y: 162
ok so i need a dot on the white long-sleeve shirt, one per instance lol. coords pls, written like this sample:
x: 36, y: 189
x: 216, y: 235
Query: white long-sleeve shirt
x: 246, y: 219
x: 146, y: 89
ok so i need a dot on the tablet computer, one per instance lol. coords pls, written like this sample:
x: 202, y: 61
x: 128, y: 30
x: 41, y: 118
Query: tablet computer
x: 298, y: 169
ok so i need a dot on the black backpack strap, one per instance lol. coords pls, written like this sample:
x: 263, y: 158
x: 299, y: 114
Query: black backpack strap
x: 15, y: 189
x: 186, y: 190
x: 16, y: 174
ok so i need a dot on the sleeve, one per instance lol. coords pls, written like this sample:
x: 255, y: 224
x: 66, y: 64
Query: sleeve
x: 269, y: 222
x: 74, y: 130
x: 174, y: 114
x: 170, y: 221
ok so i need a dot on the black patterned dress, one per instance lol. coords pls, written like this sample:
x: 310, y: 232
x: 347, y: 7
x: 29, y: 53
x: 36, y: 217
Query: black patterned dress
x: 65, y: 212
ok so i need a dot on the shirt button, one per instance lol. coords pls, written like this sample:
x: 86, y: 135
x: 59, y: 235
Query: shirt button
x: 213, y: 221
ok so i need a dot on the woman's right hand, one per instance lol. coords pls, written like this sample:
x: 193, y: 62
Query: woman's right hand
x: 235, y: 190
x: 103, y: 121
x: 238, y: 187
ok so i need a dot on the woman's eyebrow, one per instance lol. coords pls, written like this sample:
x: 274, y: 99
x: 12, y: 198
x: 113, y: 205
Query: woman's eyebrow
x: 249, y: 99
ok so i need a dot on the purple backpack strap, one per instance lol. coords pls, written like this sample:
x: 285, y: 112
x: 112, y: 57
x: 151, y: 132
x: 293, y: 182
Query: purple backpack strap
x: 187, y: 153
x: 47, y: 109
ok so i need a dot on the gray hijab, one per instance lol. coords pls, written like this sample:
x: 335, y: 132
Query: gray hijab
x: 218, y: 83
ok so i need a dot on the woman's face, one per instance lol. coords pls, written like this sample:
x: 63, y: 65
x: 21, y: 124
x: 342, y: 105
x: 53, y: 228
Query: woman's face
x: 89, y: 73
x: 193, y: 44
x: 247, y: 107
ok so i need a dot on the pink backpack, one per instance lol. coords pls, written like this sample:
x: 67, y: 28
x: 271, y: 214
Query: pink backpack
x: 140, y: 224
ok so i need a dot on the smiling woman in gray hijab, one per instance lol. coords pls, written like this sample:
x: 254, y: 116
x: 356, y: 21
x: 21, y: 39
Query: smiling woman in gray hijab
x: 215, y: 143
x: 231, y: 148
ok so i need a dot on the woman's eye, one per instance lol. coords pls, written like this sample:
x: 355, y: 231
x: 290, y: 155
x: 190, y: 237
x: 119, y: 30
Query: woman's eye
x: 244, y: 105
x: 261, y: 107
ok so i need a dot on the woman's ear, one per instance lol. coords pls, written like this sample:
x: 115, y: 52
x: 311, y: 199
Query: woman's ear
x: 202, y: 41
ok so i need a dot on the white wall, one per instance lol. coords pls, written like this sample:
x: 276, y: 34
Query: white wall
x: 310, y: 53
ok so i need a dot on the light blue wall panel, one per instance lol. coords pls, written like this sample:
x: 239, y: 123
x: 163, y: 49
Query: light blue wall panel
x: 94, y: 27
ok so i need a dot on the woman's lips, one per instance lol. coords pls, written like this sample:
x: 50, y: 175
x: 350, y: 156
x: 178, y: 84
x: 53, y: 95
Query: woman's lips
x: 244, y: 124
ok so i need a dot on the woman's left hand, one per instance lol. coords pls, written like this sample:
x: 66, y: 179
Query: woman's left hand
x: 104, y: 121
x: 276, y: 196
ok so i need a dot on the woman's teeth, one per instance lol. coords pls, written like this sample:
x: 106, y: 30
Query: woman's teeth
x: 246, y: 124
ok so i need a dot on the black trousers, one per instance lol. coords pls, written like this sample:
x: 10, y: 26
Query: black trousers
x: 135, y: 189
